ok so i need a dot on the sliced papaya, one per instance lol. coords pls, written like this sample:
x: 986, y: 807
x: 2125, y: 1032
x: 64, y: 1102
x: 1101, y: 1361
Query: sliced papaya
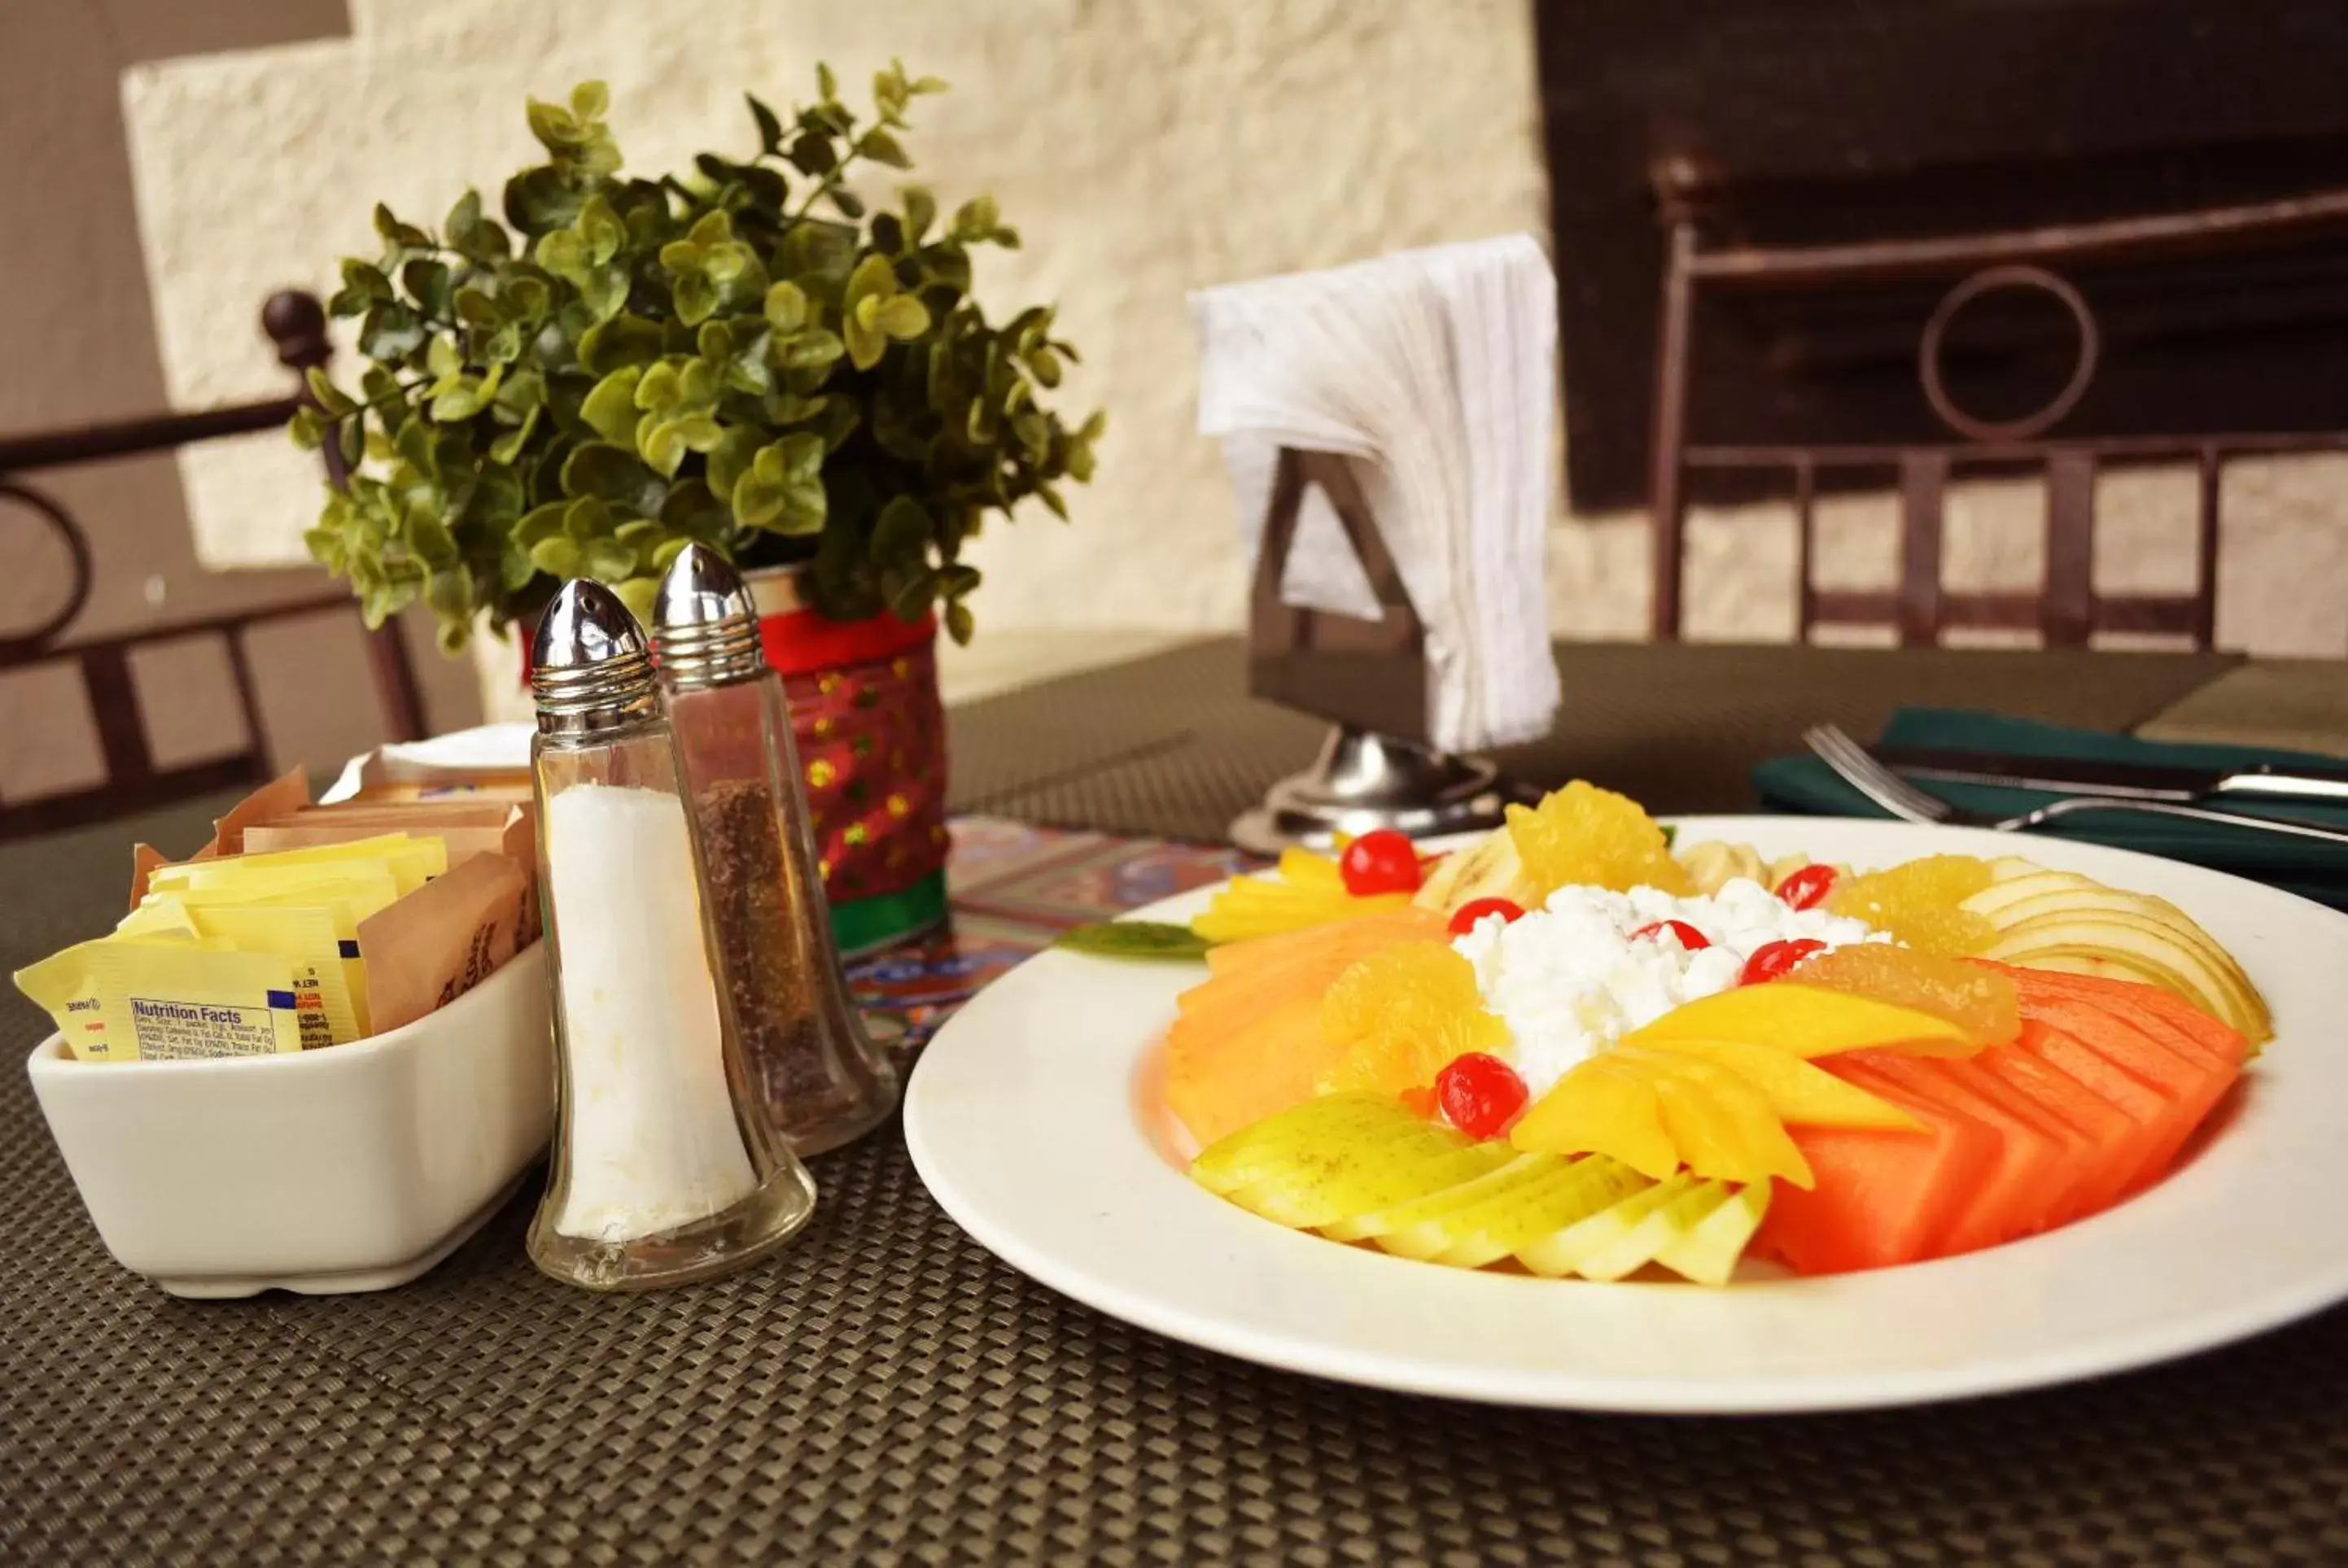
x: 1882, y: 1197
x: 2011, y: 1193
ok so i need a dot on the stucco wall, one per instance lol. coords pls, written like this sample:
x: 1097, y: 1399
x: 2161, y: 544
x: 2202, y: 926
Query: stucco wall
x: 1144, y: 148
x: 76, y: 347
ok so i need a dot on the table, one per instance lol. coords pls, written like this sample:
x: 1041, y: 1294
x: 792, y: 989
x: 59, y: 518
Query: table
x: 889, y: 1392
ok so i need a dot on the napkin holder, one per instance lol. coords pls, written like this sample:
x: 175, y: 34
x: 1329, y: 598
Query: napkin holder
x: 1368, y: 678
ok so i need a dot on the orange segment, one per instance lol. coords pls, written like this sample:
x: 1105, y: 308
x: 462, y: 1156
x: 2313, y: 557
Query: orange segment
x: 1398, y: 1017
x: 1584, y: 834
x: 1918, y: 902
x: 1978, y: 1000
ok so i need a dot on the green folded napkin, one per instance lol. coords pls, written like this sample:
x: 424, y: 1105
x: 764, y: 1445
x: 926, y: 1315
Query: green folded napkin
x: 2314, y: 870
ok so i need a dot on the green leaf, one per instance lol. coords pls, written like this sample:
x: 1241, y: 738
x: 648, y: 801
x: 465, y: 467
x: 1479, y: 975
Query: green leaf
x: 976, y: 218
x: 610, y: 472
x: 466, y: 398
x: 881, y: 147
x: 426, y: 282
x: 587, y: 518
x: 1045, y: 366
x: 929, y: 85
x: 554, y: 127
x: 308, y: 429
x: 920, y: 211
x: 395, y: 232
x: 623, y: 340
x: 812, y: 350
x: 507, y: 448
x: 731, y: 457
x: 1051, y: 498
x: 696, y: 297
x: 847, y: 201
x: 770, y: 129
x: 589, y: 100
x: 611, y: 408
x: 1149, y: 940
x: 558, y: 557
x: 331, y: 398
x: 811, y: 153
x: 541, y: 200
x: 787, y: 307
x: 827, y: 86
x: 365, y: 282
x: 960, y: 623
x: 538, y: 523
x: 912, y: 597
x: 902, y: 317
x: 866, y: 344
x: 601, y: 229
x: 901, y: 534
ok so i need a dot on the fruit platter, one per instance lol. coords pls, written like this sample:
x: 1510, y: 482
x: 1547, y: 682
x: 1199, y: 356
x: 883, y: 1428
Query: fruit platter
x: 1601, y: 1111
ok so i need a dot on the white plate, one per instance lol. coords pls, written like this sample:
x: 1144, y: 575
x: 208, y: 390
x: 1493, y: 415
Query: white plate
x: 1030, y: 1120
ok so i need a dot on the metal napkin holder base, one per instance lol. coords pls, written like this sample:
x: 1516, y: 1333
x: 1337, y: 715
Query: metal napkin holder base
x: 1375, y: 769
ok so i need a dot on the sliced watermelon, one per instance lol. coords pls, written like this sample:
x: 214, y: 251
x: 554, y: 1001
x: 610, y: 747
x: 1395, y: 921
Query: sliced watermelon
x: 2011, y: 1196
x: 1882, y: 1197
x: 2112, y: 1149
x: 2078, y: 1155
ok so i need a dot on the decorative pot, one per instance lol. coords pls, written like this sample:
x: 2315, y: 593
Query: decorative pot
x: 871, y: 733
x: 871, y: 737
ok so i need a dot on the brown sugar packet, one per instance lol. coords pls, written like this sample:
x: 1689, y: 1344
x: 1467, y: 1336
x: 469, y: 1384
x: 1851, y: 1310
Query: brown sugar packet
x: 445, y: 937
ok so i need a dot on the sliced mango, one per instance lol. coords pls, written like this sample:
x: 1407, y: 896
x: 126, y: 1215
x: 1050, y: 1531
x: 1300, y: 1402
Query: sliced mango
x: 1799, y: 1093
x: 1722, y: 1126
x: 1601, y: 1107
x: 1807, y: 1020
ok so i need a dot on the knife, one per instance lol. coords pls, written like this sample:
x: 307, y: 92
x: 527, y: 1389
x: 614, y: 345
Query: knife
x: 2126, y: 780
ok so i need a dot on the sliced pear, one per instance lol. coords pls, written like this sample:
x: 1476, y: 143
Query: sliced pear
x: 1563, y: 1252
x: 2092, y: 899
x: 2006, y: 867
x: 1326, y: 1188
x: 1808, y: 1021
x: 1601, y: 1107
x: 1515, y: 1172
x: 1800, y: 1094
x: 1266, y: 1147
x: 1497, y: 1227
x: 1707, y: 1251
x: 1638, y: 1246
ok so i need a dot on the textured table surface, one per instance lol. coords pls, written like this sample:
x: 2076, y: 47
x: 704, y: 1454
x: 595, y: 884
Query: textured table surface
x: 887, y: 1392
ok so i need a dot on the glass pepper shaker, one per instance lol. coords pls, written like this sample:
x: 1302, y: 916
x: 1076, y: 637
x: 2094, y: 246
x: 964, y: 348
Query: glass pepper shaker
x: 822, y: 1079
x: 666, y: 1166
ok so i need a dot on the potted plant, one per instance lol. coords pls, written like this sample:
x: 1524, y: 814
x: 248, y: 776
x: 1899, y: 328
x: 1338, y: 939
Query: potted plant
x: 743, y: 354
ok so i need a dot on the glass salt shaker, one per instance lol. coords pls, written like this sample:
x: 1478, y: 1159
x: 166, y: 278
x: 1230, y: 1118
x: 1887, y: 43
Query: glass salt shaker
x: 823, y: 1081
x: 667, y: 1165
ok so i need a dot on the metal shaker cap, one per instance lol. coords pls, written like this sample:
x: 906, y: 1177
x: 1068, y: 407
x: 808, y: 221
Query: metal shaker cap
x: 590, y: 670
x: 705, y: 623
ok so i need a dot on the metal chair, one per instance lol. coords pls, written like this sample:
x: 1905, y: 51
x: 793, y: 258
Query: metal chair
x: 297, y: 324
x: 2066, y: 610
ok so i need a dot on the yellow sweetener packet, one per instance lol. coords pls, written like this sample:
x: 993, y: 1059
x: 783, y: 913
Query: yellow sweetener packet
x: 161, y: 1001
x: 287, y: 920
x: 411, y: 860
x: 304, y: 937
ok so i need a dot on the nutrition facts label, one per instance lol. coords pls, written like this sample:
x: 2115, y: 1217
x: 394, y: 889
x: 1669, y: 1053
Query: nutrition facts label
x: 166, y: 1028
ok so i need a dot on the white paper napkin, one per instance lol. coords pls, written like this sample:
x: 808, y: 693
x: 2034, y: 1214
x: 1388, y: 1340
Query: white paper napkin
x: 1434, y: 372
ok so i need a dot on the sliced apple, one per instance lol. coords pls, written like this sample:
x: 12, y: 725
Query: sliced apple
x: 2140, y: 905
x: 2006, y: 867
x: 2216, y: 989
x: 2007, y: 891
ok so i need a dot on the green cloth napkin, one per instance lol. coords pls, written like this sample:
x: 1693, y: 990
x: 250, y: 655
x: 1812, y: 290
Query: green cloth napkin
x: 1804, y: 784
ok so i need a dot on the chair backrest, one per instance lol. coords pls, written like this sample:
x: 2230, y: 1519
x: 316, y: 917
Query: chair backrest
x: 297, y: 326
x: 2066, y: 609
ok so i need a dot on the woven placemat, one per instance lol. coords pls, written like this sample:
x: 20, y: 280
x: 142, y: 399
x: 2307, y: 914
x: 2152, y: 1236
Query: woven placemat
x: 888, y: 1393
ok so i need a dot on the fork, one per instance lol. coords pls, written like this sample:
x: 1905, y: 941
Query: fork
x: 1858, y: 767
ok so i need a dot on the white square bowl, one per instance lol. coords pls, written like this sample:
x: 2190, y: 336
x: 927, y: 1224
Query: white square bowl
x: 353, y: 1168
